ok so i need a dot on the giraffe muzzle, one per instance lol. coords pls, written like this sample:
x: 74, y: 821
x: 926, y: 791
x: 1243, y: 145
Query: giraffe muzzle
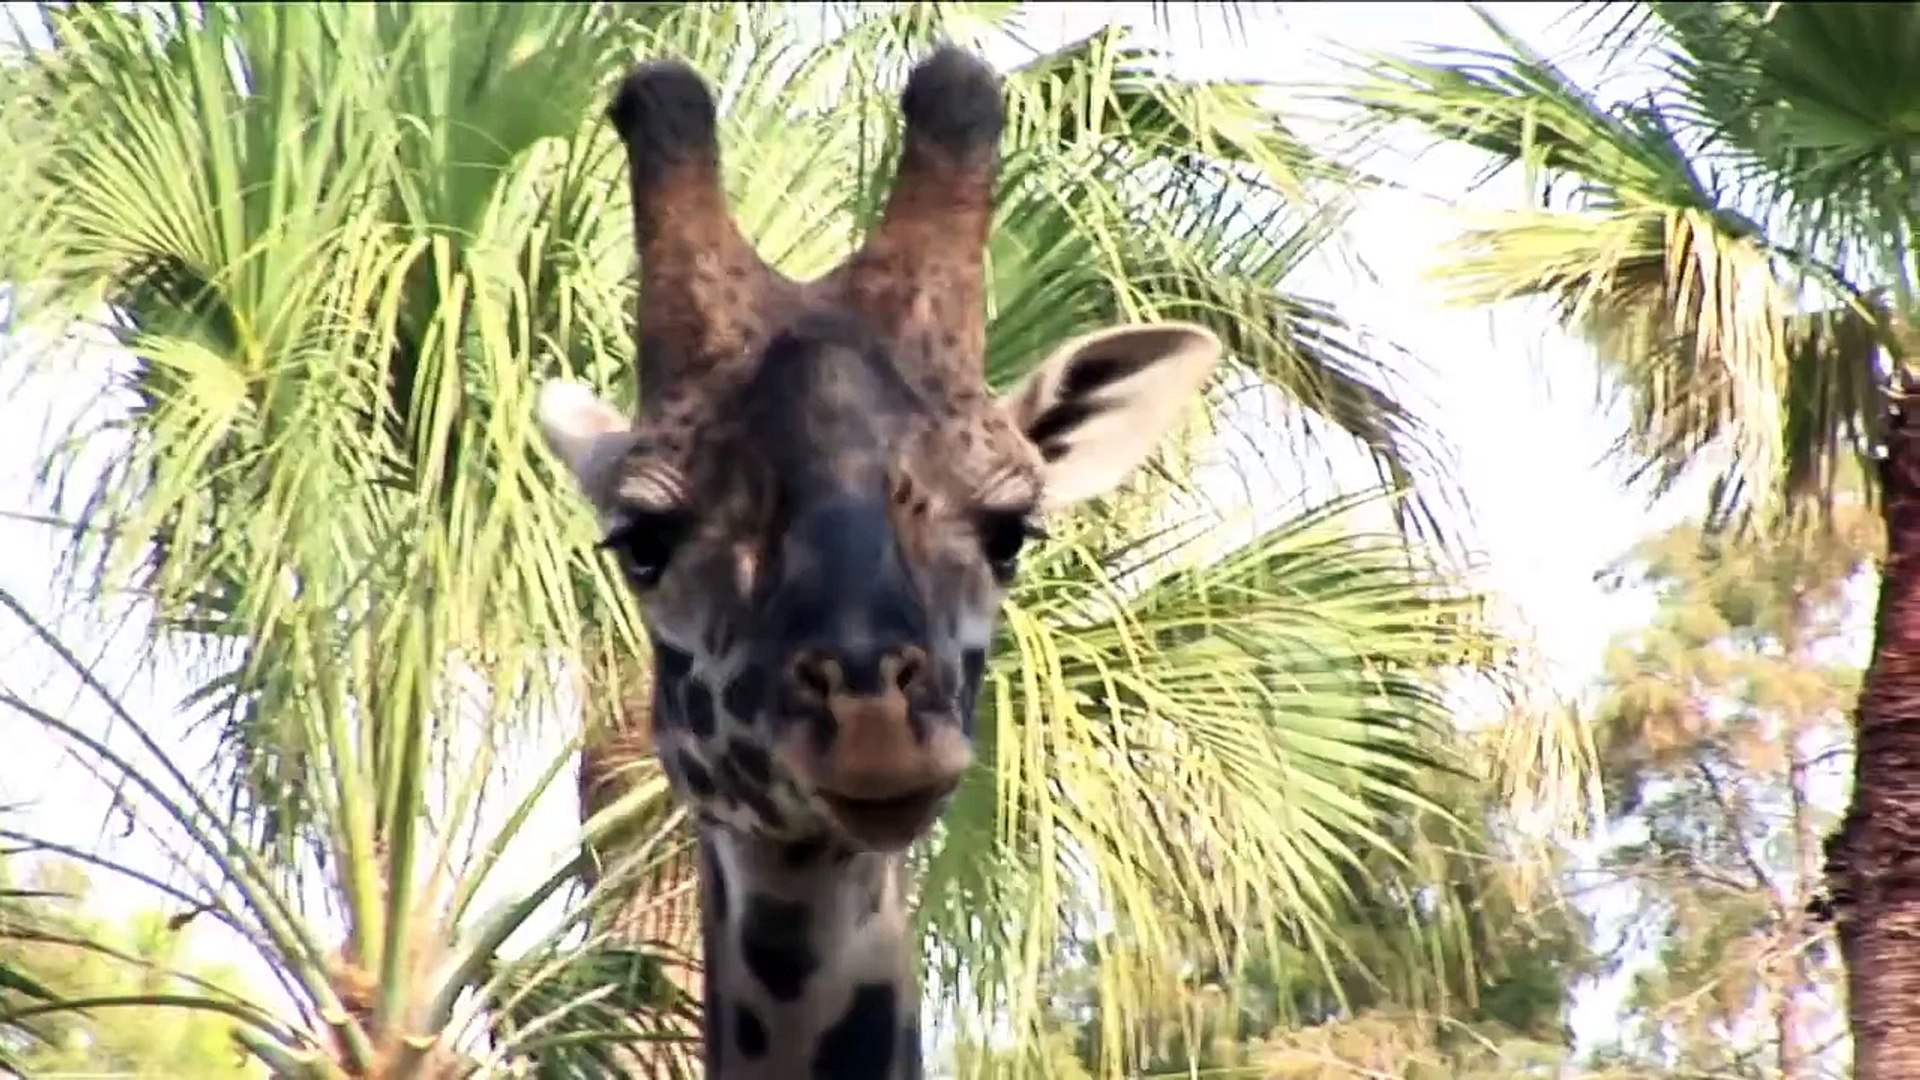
x: 880, y: 784
x: 888, y: 824
x: 883, y: 771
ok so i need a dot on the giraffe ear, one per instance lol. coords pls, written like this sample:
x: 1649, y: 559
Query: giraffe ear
x: 1099, y: 405
x: 583, y: 431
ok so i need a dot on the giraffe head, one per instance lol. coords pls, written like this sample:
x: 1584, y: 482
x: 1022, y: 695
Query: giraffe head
x: 821, y: 503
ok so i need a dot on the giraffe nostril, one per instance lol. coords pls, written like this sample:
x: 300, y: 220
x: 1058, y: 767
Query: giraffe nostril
x: 908, y: 673
x: 811, y: 674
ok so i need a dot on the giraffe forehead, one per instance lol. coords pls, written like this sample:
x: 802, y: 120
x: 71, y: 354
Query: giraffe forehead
x: 829, y: 411
x: 830, y: 404
x: 753, y: 460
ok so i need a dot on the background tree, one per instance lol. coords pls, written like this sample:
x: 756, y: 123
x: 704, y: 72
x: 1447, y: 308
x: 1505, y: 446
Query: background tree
x: 1738, y: 242
x: 75, y: 956
x: 1720, y: 724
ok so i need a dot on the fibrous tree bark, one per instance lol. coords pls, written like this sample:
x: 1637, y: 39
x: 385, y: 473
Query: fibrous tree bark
x: 1873, y: 860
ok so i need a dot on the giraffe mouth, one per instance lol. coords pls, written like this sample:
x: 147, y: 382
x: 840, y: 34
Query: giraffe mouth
x: 892, y: 822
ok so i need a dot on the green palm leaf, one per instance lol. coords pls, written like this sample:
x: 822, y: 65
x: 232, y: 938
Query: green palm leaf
x: 1279, y: 703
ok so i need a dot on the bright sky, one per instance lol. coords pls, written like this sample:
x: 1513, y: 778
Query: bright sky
x: 1511, y: 394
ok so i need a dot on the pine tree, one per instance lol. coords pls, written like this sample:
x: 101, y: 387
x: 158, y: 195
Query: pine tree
x: 1723, y: 731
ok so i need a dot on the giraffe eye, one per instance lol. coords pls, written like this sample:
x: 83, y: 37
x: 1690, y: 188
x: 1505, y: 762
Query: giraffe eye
x: 1002, y: 537
x: 643, y: 544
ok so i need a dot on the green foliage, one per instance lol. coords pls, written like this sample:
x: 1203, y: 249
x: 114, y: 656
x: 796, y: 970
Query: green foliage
x: 1720, y: 724
x: 1268, y: 818
x: 1443, y: 955
x: 339, y: 1019
x: 68, y: 953
x: 23, y: 915
x: 1407, y: 1046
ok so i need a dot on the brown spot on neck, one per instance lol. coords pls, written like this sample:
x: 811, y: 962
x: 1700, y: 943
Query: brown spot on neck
x: 842, y: 917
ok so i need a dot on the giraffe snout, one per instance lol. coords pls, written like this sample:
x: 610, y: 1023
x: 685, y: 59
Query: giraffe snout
x: 881, y: 758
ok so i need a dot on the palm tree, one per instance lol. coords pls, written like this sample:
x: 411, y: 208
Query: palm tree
x: 340, y: 244
x: 1739, y: 246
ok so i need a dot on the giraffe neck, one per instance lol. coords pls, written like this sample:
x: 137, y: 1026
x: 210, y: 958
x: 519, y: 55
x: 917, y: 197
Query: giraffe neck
x: 808, y: 962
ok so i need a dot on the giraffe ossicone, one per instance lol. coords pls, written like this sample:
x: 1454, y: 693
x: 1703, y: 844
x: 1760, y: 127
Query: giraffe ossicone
x: 820, y: 506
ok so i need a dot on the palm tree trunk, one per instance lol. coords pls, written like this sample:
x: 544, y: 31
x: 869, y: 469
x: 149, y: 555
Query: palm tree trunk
x: 1873, y: 861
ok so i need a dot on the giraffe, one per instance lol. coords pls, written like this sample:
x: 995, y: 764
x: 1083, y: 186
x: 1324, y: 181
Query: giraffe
x: 819, y: 507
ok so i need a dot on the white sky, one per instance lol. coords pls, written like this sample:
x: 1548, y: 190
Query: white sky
x: 1511, y: 394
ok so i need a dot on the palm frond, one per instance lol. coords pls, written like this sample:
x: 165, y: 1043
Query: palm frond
x: 1807, y: 106
x: 1278, y: 701
x: 456, y: 980
x: 272, y: 300
x: 1835, y: 394
x: 1639, y: 245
